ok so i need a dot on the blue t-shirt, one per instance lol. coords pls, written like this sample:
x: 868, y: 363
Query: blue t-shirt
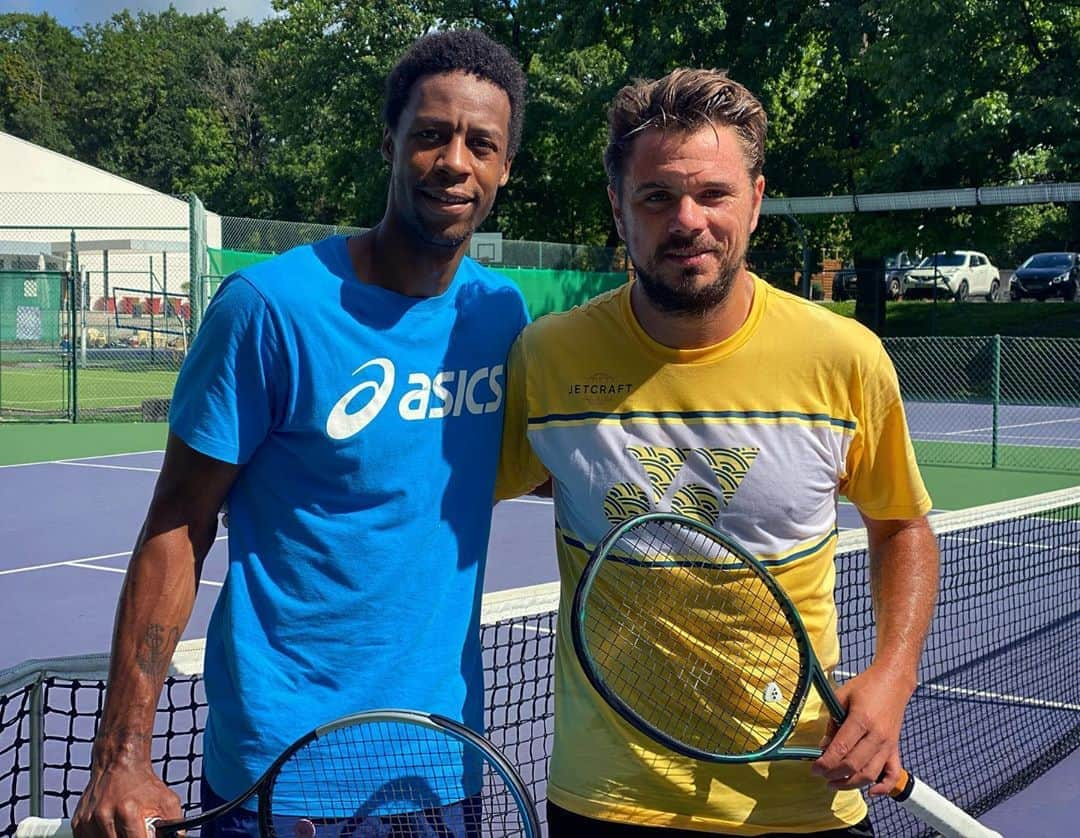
x: 368, y: 424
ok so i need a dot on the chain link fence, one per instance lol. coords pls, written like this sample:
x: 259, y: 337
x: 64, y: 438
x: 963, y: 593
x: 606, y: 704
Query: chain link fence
x: 553, y: 276
x: 101, y: 295
x: 998, y: 402
x: 95, y: 309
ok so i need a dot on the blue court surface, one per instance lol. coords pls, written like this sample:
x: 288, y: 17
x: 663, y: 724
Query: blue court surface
x: 1015, y: 424
x: 67, y: 528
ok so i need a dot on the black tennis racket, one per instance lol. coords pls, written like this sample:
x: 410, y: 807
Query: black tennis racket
x: 690, y: 639
x: 392, y: 773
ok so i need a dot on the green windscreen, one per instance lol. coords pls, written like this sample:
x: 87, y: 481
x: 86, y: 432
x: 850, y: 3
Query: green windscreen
x: 545, y: 290
x: 30, y: 307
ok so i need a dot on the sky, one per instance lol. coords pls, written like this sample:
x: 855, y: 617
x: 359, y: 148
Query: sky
x: 73, y: 13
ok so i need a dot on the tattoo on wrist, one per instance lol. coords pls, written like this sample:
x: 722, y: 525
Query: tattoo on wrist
x: 155, y: 649
x: 122, y: 734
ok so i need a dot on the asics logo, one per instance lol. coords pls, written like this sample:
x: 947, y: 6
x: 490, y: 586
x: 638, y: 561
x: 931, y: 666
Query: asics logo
x: 447, y: 393
x: 341, y: 424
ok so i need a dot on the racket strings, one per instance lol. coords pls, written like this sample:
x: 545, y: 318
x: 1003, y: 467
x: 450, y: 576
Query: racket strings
x: 692, y: 640
x: 390, y: 779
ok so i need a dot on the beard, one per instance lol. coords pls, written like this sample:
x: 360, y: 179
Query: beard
x: 684, y: 295
x: 450, y: 239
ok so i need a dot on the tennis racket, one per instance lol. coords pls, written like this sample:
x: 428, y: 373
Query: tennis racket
x: 658, y: 584
x: 386, y: 773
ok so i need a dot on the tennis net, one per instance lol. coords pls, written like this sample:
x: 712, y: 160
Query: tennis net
x: 997, y: 704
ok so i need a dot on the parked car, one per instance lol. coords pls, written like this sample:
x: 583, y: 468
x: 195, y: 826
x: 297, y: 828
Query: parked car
x: 1047, y: 275
x: 896, y: 269
x: 957, y: 274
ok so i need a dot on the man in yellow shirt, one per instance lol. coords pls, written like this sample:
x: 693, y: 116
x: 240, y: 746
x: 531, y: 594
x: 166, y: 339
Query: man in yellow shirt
x: 700, y: 389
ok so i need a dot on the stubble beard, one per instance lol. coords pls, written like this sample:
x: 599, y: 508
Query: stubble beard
x: 436, y: 239
x: 682, y: 296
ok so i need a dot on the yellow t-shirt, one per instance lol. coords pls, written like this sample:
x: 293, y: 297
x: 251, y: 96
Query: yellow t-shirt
x: 758, y: 434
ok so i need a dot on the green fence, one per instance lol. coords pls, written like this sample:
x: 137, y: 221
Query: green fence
x: 34, y: 325
x: 61, y: 360
x: 545, y: 289
x: 997, y: 402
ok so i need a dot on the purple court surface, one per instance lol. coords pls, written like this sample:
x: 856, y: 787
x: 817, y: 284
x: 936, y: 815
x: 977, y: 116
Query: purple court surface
x: 66, y: 530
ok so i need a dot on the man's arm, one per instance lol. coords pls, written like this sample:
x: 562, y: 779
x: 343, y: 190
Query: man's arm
x: 155, y: 603
x: 904, y: 585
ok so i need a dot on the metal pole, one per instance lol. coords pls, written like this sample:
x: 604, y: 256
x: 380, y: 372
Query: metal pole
x: 933, y: 309
x: 804, y: 282
x: 73, y: 291
x: 150, y: 301
x: 995, y: 384
x: 37, y: 738
x: 108, y: 298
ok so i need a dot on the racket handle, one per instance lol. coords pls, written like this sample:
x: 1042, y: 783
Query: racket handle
x: 58, y: 828
x: 935, y: 811
x: 43, y: 828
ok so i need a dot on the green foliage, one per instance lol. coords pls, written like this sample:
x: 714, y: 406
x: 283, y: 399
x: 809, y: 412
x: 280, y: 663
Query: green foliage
x: 283, y: 118
x: 38, y: 80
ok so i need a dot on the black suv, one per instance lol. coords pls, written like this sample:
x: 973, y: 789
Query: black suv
x: 1047, y: 275
x: 896, y: 271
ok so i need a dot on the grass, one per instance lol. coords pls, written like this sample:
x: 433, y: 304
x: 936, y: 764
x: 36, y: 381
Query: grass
x: 919, y: 318
x: 43, y: 390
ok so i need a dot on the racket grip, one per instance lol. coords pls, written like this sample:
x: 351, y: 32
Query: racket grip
x: 58, y: 828
x: 43, y: 828
x: 934, y: 810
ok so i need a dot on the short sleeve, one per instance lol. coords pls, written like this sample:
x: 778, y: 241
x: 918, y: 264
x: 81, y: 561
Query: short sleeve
x: 230, y: 389
x: 519, y: 468
x: 883, y: 478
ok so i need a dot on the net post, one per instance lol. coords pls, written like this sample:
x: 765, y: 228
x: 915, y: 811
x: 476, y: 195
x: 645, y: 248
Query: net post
x: 36, y: 744
x: 995, y: 386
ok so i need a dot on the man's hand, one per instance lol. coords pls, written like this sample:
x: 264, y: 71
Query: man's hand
x: 118, y: 801
x: 866, y: 746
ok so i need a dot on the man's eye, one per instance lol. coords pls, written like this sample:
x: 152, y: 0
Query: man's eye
x: 656, y: 197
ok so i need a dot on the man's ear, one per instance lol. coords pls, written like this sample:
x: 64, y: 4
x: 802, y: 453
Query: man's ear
x: 759, y: 193
x: 387, y: 147
x: 616, y: 213
x: 506, y: 172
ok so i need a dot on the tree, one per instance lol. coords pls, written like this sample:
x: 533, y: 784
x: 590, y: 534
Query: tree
x: 39, y: 72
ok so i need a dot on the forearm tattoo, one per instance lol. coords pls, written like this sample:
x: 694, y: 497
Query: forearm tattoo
x: 155, y: 649
x: 123, y: 732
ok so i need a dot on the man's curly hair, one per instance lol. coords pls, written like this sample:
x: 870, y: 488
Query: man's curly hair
x: 459, y: 50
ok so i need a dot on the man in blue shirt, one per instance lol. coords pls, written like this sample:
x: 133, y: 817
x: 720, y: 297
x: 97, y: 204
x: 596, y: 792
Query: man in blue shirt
x: 345, y: 399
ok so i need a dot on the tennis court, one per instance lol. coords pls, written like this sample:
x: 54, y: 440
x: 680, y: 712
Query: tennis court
x: 997, y: 705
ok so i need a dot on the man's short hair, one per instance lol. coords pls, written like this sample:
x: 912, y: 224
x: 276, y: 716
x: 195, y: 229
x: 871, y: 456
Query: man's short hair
x: 684, y: 100
x: 459, y: 50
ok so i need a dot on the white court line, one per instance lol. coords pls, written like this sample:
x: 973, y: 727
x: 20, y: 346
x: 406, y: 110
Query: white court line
x: 70, y: 460
x: 527, y: 499
x: 78, y: 562
x: 102, y: 465
x: 1024, y: 701
x: 122, y: 570
x: 1011, y: 427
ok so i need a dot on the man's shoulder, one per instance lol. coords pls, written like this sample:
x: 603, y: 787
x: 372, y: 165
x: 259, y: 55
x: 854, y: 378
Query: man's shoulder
x: 481, y: 283
x: 295, y: 269
x: 807, y: 323
x: 584, y: 320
